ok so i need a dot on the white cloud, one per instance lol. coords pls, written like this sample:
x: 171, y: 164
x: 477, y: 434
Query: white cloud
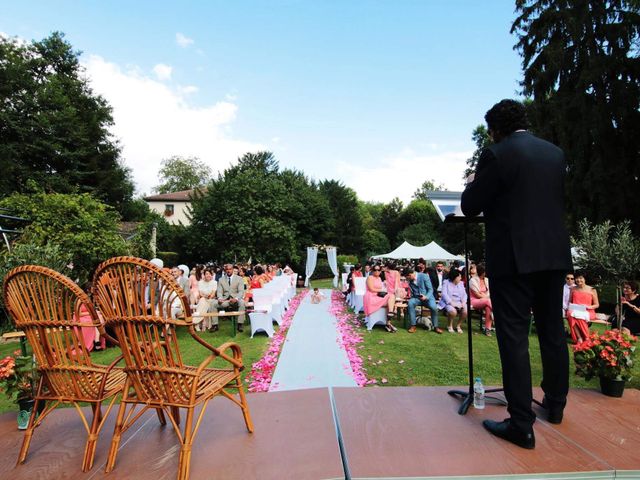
x: 154, y: 121
x: 183, y: 41
x: 402, y: 174
x: 188, y: 89
x: 162, y: 71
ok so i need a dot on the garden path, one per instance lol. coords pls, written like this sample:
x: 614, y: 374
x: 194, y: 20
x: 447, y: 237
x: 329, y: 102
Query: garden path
x: 312, y: 355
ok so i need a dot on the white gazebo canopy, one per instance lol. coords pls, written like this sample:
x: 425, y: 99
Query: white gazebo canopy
x: 430, y: 252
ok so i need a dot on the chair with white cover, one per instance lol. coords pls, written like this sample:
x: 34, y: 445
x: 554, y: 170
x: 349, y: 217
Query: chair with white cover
x: 260, y: 318
x: 276, y: 302
x: 377, y: 317
x: 360, y: 284
x: 344, y: 282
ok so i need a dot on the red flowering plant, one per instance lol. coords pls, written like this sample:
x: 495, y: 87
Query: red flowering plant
x: 608, y: 355
x: 18, y: 376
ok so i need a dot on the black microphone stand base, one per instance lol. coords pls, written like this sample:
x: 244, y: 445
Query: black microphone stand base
x: 468, y: 398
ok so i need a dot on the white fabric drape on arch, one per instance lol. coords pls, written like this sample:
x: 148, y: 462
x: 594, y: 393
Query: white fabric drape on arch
x: 312, y: 256
x: 332, y: 256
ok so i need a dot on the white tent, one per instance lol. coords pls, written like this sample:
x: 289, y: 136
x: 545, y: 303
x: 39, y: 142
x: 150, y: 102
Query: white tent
x: 430, y: 252
x: 406, y: 250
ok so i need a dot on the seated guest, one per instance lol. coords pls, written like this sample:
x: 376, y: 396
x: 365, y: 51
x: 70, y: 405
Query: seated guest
x: 392, y: 282
x: 630, y: 308
x: 569, y: 283
x: 421, y: 292
x: 207, y: 288
x: 242, y: 273
x: 230, y: 295
x: 376, y: 297
x: 194, y: 278
x: 259, y: 278
x: 581, y: 294
x: 349, y: 281
x: 357, y: 272
x: 480, y: 297
x: 454, y: 300
x: 316, y: 296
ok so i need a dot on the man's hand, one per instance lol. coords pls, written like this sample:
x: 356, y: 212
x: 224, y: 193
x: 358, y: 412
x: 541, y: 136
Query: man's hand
x: 423, y: 297
x: 233, y: 300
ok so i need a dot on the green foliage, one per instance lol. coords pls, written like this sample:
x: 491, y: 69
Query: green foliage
x: 374, y: 242
x: 182, y: 173
x: 323, y: 270
x: 608, y: 252
x: 390, y: 220
x: 244, y: 214
x: 79, y: 225
x: 136, y: 210
x: 346, y: 229
x: 582, y: 70
x: 348, y: 259
x: 427, y: 186
x: 169, y: 258
x: 54, y: 131
x: 18, y: 376
x: 26, y: 253
x: 481, y: 138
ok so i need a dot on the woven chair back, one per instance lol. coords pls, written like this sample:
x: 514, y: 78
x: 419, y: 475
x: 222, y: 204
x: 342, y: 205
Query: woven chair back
x: 140, y: 303
x: 47, y: 307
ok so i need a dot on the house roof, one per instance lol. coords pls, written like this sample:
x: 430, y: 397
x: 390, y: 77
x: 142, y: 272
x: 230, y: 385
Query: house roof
x: 182, y: 196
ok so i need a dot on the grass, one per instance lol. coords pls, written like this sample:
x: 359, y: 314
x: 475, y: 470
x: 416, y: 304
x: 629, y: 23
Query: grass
x: 425, y: 358
x: 403, y: 359
x: 192, y: 352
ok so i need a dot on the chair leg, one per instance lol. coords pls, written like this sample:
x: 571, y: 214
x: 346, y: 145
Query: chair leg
x: 160, y: 413
x: 117, y: 434
x: 92, y: 440
x: 184, y: 462
x: 28, y: 434
x: 245, y: 406
x: 175, y: 413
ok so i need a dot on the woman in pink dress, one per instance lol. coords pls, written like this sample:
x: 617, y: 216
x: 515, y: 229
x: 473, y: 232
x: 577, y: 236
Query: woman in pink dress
x: 194, y: 278
x: 375, y: 297
x: 581, y: 294
x: 392, y: 281
x: 480, y: 300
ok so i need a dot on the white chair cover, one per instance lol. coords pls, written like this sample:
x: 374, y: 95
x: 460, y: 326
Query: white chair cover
x: 261, y: 316
x: 360, y: 284
x: 379, y: 316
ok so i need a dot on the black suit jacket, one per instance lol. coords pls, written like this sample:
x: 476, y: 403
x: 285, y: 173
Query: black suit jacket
x: 519, y: 186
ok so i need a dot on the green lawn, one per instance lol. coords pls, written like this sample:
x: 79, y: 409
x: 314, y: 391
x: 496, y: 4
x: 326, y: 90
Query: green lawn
x: 422, y: 358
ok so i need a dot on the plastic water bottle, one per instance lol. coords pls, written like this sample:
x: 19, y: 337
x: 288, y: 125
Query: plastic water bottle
x: 478, y: 394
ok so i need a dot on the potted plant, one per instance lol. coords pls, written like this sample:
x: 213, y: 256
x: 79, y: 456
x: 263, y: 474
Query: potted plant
x: 18, y: 380
x: 608, y: 356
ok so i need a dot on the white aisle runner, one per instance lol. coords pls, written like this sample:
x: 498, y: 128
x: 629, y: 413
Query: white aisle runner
x: 312, y: 356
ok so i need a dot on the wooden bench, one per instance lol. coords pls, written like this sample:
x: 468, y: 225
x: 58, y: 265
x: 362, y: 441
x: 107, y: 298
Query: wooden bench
x: 19, y: 335
x: 220, y: 314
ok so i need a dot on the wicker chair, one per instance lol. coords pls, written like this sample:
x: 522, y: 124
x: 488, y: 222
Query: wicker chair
x: 46, y: 306
x: 140, y: 302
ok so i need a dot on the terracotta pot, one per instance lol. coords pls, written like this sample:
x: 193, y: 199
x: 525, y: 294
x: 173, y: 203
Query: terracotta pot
x: 612, y: 387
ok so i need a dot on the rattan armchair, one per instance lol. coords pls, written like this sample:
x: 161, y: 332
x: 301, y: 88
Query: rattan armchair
x: 46, y: 306
x: 145, y: 306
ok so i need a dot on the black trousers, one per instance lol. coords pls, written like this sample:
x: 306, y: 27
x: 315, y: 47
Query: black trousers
x: 513, y: 299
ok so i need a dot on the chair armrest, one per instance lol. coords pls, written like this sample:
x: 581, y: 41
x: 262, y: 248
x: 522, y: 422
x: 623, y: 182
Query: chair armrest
x: 236, y: 361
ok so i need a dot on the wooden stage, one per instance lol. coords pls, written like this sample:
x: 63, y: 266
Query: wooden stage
x: 384, y: 432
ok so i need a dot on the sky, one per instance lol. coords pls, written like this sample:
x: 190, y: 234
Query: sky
x: 379, y: 94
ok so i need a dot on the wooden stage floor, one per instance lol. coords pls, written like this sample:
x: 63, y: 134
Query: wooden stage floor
x: 386, y: 432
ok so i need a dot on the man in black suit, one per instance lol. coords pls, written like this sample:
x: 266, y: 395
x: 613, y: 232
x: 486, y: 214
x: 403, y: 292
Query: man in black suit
x: 519, y: 187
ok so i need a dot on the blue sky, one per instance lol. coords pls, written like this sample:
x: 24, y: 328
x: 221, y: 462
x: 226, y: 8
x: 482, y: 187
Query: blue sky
x: 378, y: 94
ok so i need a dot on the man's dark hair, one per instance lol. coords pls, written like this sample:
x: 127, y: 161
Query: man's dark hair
x: 407, y: 271
x: 507, y: 116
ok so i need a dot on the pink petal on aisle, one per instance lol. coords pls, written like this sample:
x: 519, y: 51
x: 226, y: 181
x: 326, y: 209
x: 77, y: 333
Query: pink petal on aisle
x: 262, y: 371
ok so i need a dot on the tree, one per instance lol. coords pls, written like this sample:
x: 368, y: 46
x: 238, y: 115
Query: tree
x: 182, y: 173
x: 347, y: 224
x: 481, y: 138
x: 244, y: 214
x: 420, y: 223
x: 581, y: 68
x: 390, y: 220
x: 427, y: 186
x: 54, y: 130
x: 78, y: 224
x: 374, y: 242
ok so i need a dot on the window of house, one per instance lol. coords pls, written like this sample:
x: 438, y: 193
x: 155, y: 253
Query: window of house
x: 168, y: 210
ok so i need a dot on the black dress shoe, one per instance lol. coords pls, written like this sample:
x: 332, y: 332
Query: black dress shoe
x: 508, y: 432
x: 240, y: 328
x: 554, y: 415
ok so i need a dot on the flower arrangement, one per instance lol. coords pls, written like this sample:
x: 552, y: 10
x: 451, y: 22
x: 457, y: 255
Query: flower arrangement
x: 18, y: 376
x: 607, y: 355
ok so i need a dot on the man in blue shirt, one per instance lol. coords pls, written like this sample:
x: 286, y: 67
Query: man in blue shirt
x: 421, y: 294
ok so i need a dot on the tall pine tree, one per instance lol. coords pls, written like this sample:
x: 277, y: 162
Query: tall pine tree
x: 581, y: 68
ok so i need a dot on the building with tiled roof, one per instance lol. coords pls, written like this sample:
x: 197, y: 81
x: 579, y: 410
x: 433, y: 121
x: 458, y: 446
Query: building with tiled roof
x: 174, y: 206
